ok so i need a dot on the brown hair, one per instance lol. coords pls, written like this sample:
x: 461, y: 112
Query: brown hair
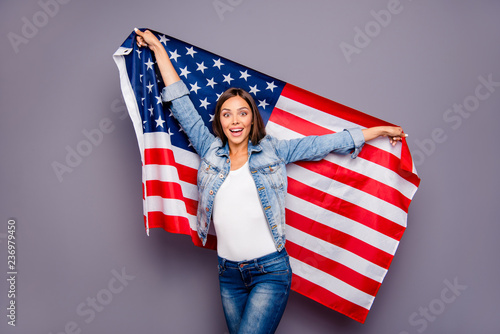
x: 257, y: 131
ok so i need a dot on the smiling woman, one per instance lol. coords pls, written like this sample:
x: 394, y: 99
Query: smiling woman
x: 242, y: 187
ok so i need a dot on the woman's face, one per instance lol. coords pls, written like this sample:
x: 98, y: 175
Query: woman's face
x: 236, y: 120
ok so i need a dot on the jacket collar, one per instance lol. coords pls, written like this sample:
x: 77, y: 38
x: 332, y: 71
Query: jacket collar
x: 224, y: 150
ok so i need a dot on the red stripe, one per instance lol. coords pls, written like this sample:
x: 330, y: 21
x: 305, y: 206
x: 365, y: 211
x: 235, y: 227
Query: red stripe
x: 331, y: 107
x: 163, y: 156
x: 338, y: 238
x: 389, y: 161
x: 297, y: 124
x: 358, y: 181
x: 179, y: 225
x: 369, y: 152
x: 346, y: 209
x: 159, y: 156
x: 333, y: 268
x: 173, y: 224
x: 329, y: 299
x: 171, y: 190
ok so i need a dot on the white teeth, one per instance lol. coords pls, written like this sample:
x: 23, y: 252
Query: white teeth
x: 236, y: 130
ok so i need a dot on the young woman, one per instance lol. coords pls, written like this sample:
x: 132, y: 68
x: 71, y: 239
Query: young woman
x: 242, y: 185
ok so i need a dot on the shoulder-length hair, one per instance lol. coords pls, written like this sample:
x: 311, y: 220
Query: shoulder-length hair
x: 257, y: 131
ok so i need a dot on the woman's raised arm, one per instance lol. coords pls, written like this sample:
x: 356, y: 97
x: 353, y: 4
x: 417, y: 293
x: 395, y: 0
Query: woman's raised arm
x: 177, y: 94
x: 167, y: 70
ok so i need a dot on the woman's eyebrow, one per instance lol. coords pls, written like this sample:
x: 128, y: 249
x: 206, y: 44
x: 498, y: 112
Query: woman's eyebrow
x: 240, y: 108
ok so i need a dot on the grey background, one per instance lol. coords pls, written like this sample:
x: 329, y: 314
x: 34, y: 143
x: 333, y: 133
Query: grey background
x: 74, y: 233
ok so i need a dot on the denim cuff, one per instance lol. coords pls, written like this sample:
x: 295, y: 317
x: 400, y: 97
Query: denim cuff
x: 358, y: 138
x: 174, y: 91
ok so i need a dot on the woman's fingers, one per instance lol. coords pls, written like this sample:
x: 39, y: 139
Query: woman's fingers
x: 147, y: 38
x: 140, y: 37
x: 395, y: 134
x: 395, y: 139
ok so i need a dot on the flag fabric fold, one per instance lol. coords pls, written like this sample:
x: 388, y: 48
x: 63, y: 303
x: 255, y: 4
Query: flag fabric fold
x: 345, y: 217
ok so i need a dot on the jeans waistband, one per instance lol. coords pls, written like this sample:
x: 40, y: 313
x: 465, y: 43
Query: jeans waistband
x: 253, y: 262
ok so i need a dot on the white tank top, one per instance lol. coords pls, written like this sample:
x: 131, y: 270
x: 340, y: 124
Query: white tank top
x: 241, y: 226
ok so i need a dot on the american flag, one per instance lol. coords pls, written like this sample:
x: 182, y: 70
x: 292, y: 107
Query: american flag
x: 345, y: 217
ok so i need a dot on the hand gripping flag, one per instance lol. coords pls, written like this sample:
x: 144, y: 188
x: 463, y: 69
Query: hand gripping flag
x: 345, y: 217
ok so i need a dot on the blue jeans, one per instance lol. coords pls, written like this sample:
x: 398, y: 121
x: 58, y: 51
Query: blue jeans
x: 254, y: 293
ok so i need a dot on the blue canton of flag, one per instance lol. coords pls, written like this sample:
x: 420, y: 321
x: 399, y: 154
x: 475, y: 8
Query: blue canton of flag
x: 206, y: 75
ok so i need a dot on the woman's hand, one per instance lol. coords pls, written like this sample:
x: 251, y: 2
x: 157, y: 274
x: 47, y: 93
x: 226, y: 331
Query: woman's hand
x: 395, y: 133
x: 147, y: 39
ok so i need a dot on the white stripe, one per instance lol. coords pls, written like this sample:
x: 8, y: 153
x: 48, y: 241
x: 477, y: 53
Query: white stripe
x: 129, y: 96
x: 313, y: 115
x: 359, y: 165
x: 189, y: 190
x: 166, y: 173
x: 144, y: 207
x: 162, y: 140
x: 328, y: 121
x: 341, y: 223
x: 186, y: 158
x: 132, y: 108
x: 335, y: 253
x: 170, y: 207
x: 347, y: 193
x: 157, y: 140
x: 414, y: 169
x: 331, y: 284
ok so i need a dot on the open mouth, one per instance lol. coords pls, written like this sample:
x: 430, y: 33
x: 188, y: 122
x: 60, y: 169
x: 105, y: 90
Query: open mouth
x: 236, y: 131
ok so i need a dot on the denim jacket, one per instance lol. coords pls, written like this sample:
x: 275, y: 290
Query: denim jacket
x: 266, y: 161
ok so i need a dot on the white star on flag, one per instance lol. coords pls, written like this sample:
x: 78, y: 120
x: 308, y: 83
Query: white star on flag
x: 244, y: 75
x: 150, y: 64
x: 271, y: 86
x: 227, y: 78
x: 211, y: 83
x: 174, y: 55
x: 190, y: 51
x: 263, y: 104
x: 164, y: 39
x: 194, y: 88
x: 204, y: 103
x: 159, y: 122
x: 184, y: 72
x: 201, y: 67
x: 218, y: 63
x: 254, y: 90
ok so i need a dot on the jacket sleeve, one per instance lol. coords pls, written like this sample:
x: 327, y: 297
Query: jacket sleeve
x: 313, y: 148
x: 185, y: 113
